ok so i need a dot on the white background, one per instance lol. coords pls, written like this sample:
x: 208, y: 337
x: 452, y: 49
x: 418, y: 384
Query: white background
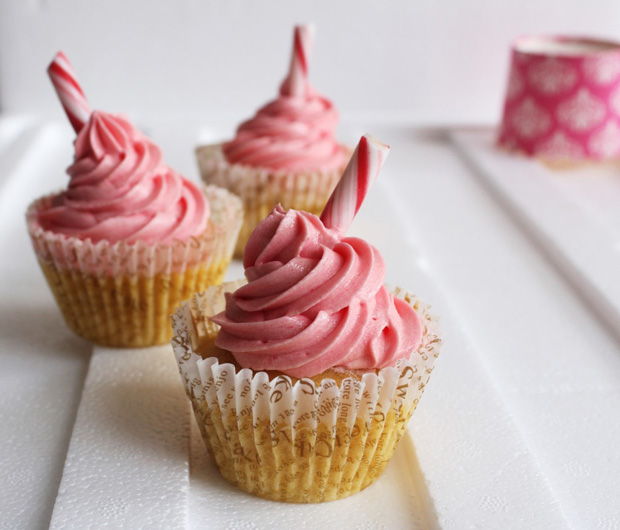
x: 426, y: 61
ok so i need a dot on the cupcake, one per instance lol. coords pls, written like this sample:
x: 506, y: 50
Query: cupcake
x: 303, y: 376
x: 287, y: 153
x: 129, y: 238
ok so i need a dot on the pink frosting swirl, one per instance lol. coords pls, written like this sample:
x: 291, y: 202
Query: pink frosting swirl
x: 120, y: 189
x: 294, y: 133
x: 314, y: 301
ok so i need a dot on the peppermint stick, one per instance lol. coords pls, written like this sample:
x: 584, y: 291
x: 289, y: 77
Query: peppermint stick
x: 69, y: 91
x: 296, y: 82
x: 347, y: 197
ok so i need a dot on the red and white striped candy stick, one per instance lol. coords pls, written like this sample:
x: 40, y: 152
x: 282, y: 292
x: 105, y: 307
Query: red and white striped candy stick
x: 347, y: 197
x: 69, y: 91
x: 297, y: 80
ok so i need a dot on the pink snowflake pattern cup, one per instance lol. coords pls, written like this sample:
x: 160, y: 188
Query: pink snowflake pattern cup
x: 563, y: 99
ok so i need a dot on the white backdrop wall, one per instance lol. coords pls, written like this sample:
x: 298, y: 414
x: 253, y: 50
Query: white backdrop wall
x: 426, y: 61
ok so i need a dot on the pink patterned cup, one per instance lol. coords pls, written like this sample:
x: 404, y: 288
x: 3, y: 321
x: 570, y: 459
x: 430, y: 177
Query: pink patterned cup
x: 563, y: 99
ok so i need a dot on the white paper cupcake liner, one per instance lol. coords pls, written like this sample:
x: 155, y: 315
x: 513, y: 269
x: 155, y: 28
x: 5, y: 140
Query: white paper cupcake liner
x: 297, y: 440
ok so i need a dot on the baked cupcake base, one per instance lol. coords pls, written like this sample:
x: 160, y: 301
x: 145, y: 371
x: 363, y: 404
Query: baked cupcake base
x: 296, y: 440
x: 122, y: 295
x: 261, y: 189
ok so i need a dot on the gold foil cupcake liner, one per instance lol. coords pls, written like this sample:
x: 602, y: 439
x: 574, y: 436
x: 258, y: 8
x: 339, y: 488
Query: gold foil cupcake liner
x: 261, y: 189
x: 297, y: 440
x: 122, y: 295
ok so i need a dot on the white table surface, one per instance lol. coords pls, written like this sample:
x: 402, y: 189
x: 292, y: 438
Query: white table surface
x: 518, y: 427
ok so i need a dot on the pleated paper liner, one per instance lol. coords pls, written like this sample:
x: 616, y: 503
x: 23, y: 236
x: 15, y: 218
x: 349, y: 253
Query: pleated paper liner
x: 296, y: 440
x: 261, y: 189
x: 122, y: 295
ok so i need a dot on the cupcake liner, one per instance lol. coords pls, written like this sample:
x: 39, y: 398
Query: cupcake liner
x: 261, y: 189
x: 297, y: 440
x: 121, y: 294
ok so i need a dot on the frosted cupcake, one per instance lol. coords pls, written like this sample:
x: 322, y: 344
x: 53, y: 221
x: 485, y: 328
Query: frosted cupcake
x: 303, y: 376
x: 130, y: 238
x: 287, y: 153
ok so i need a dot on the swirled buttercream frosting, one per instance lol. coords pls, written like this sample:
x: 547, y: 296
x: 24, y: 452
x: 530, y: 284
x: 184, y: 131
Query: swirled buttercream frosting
x: 120, y: 189
x: 314, y: 300
x: 294, y: 133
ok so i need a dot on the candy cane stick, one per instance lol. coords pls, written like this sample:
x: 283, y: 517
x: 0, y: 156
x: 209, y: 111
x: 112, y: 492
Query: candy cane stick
x: 69, y: 91
x: 297, y: 80
x: 347, y: 197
